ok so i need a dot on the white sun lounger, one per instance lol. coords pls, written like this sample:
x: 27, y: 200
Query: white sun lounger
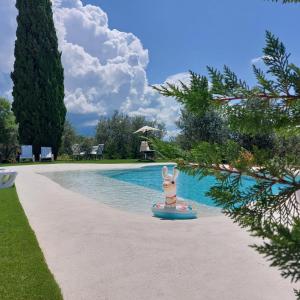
x: 97, y: 151
x: 26, y: 152
x: 46, y: 153
x: 7, y: 178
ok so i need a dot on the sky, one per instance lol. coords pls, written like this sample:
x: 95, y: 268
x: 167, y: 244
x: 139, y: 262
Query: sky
x: 114, y: 49
x: 191, y: 34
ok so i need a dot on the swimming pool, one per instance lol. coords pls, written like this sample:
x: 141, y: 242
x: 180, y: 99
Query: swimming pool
x: 137, y: 189
x: 188, y: 187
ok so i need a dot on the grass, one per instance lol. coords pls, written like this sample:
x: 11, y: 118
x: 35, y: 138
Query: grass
x: 102, y: 161
x: 23, y: 271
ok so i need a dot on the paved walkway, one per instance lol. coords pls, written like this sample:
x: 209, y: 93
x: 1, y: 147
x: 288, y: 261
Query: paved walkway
x: 97, y: 252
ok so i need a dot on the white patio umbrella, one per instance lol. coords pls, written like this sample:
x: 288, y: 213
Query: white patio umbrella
x: 146, y: 129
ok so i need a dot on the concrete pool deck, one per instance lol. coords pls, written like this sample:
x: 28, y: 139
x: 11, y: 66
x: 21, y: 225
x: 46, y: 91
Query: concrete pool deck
x: 97, y: 252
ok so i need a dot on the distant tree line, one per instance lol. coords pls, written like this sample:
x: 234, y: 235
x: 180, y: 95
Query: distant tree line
x: 213, y: 127
x: 115, y: 132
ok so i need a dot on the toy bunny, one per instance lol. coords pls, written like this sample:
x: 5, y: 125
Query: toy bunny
x: 169, y: 186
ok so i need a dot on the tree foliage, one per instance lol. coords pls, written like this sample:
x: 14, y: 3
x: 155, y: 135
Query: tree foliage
x: 211, y: 127
x: 86, y: 143
x: 117, y: 133
x: 38, y: 78
x: 69, y: 138
x: 269, y: 206
x: 8, y: 132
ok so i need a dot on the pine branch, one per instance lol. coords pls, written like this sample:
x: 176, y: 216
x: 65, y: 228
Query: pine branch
x: 280, y: 241
x: 253, y: 172
x: 259, y: 96
x: 268, y: 206
x: 286, y: 1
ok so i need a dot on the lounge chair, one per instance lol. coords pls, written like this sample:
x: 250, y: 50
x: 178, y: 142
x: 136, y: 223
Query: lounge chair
x: 144, y: 146
x: 97, y: 151
x: 76, y: 151
x: 26, y: 153
x: 146, y: 151
x: 83, y: 155
x: 46, y: 154
x: 7, y: 178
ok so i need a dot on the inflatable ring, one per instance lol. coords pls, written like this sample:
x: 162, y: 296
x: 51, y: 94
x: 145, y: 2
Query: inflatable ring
x: 172, y: 213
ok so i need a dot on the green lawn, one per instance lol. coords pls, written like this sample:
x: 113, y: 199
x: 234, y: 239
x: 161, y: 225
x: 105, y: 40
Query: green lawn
x: 102, y: 161
x: 23, y: 271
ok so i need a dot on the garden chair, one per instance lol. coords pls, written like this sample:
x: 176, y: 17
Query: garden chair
x: 97, y: 151
x: 93, y: 152
x: 26, y: 153
x: 46, y: 154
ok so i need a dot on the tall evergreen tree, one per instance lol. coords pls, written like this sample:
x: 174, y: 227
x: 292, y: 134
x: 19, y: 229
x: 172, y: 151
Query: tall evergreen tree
x: 38, y: 77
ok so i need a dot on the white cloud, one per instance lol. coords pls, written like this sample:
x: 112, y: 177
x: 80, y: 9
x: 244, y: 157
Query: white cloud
x: 158, y: 107
x: 105, y: 69
x: 8, y: 26
x: 259, y: 60
x: 91, y: 123
x: 256, y: 60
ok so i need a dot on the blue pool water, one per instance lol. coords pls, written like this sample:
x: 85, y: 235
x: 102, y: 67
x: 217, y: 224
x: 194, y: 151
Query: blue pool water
x: 188, y: 187
x: 136, y: 190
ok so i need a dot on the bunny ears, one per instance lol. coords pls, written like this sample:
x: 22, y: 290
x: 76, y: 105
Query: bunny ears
x: 165, y: 174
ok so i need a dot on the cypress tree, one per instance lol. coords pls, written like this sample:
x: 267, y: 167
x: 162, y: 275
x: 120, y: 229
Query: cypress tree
x: 38, y: 77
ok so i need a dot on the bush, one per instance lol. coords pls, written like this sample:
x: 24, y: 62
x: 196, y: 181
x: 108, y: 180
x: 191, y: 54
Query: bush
x: 8, y: 132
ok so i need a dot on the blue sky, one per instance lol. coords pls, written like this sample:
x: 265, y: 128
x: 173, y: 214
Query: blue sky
x: 112, y: 50
x: 191, y: 34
